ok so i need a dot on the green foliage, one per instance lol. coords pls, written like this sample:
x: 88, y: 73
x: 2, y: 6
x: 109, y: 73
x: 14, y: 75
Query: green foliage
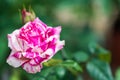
x: 99, y: 70
x: 98, y: 66
x: 99, y: 52
x: 81, y: 56
x: 60, y: 71
x: 117, y: 74
x: 72, y: 66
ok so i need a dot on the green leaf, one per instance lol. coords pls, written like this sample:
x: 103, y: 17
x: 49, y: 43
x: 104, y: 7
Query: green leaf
x: 117, y: 74
x: 97, y: 49
x: 81, y: 56
x: 52, y: 77
x: 99, y: 70
x: 100, y: 52
x: 45, y: 72
x: 105, y: 57
x: 71, y: 64
x: 60, y: 71
x: 38, y: 78
x: 52, y: 62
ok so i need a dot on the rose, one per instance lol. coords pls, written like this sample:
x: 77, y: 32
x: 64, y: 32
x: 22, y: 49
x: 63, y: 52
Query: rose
x: 33, y: 44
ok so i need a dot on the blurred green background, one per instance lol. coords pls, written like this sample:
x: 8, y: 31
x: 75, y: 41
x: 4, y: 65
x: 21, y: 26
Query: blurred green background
x: 86, y: 24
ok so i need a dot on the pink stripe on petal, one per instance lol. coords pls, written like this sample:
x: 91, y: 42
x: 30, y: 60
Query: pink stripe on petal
x: 37, y: 60
x: 28, y: 55
x: 53, y: 31
x: 52, y: 44
x: 32, y: 69
x: 17, y: 55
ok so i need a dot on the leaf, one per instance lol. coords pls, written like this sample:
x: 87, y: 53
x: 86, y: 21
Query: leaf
x: 38, y: 78
x: 105, y: 57
x: 81, y: 56
x: 99, y: 70
x: 117, y: 74
x: 71, y: 64
x: 60, y: 71
x: 97, y: 49
x: 45, y: 72
x: 100, y: 52
x: 52, y: 62
x: 52, y: 77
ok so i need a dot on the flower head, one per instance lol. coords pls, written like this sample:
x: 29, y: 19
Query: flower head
x: 33, y: 44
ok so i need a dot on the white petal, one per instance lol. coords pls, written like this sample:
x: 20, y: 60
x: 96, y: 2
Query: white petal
x: 13, y: 61
x: 37, y: 49
x: 49, y: 52
x: 59, y: 45
x: 13, y: 41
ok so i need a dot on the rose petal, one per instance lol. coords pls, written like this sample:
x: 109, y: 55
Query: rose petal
x: 40, y: 24
x: 57, y: 30
x: 48, y: 54
x: 37, y: 20
x: 30, y: 55
x: 14, y: 61
x: 37, y: 60
x: 53, y: 31
x: 13, y: 41
x: 31, y: 69
x: 17, y: 55
x: 59, y: 45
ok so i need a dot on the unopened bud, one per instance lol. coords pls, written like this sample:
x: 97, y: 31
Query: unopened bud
x: 27, y: 15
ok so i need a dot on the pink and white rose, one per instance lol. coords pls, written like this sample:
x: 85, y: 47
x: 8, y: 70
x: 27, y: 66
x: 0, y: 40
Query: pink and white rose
x: 33, y: 44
